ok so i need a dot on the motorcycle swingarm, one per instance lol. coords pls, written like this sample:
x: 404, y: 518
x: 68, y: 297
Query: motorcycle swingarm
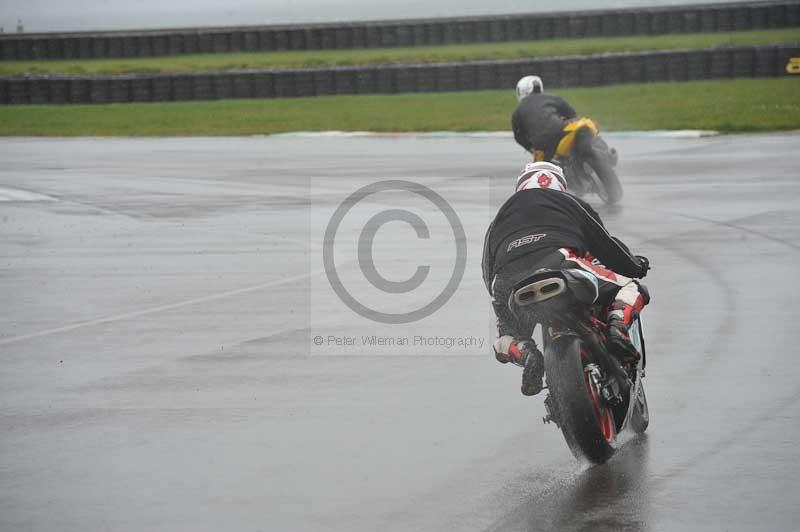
x: 605, y: 360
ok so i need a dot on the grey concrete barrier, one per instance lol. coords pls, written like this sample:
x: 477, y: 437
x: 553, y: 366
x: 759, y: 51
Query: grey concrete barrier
x: 569, y: 71
x: 530, y: 26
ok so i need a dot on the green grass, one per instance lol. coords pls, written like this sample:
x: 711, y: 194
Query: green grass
x: 728, y: 106
x: 430, y: 54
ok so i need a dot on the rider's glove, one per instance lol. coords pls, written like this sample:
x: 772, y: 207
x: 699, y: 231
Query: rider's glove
x: 515, y: 350
x: 644, y: 264
x: 501, y: 347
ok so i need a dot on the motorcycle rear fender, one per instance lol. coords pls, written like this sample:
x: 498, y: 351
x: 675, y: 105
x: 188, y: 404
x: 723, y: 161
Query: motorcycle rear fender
x: 554, y: 339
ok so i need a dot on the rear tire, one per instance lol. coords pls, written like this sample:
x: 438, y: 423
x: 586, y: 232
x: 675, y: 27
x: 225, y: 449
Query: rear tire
x: 581, y: 420
x: 610, y: 187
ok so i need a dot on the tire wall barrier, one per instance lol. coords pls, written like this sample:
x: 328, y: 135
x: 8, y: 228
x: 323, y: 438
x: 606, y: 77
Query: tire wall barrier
x: 573, y: 71
x: 600, y: 23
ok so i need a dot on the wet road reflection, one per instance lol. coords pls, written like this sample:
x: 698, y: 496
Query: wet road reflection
x: 591, y: 503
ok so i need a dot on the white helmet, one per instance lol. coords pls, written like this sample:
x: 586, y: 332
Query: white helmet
x: 542, y: 175
x: 529, y: 85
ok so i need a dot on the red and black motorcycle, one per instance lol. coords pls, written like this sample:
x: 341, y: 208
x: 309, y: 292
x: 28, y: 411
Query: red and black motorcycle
x: 592, y: 397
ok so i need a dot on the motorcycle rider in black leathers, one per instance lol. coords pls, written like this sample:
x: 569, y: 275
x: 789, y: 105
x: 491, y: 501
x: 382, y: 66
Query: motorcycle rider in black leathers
x: 543, y: 226
x: 539, y: 119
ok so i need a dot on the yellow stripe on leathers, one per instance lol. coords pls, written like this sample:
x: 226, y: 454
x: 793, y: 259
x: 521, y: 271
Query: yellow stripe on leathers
x: 565, y: 146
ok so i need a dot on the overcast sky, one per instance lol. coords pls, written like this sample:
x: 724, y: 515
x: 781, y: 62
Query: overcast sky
x: 77, y: 15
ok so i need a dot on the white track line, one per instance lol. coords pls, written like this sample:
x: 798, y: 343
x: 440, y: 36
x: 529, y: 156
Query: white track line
x: 161, y: 308
x: 15, y: 194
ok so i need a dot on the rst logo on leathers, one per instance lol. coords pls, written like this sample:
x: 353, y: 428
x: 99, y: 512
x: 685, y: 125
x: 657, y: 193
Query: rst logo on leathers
x: 525, y: 240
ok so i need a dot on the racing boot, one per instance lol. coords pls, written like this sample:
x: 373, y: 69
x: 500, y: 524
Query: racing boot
x: 533, y: 374
x: 619, y: 340
x: 522, y: 353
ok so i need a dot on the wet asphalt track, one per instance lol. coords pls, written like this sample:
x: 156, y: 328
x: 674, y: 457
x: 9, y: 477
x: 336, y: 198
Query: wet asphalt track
x: 157, y: 370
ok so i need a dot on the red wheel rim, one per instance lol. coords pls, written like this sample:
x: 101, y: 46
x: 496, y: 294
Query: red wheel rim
x: 605, y: 417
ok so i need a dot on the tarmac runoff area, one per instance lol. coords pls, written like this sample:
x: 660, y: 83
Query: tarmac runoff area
x: 162, y: 297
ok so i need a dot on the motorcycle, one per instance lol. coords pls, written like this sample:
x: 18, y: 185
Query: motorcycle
x: 593, y: 398
x: 588, y: 162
